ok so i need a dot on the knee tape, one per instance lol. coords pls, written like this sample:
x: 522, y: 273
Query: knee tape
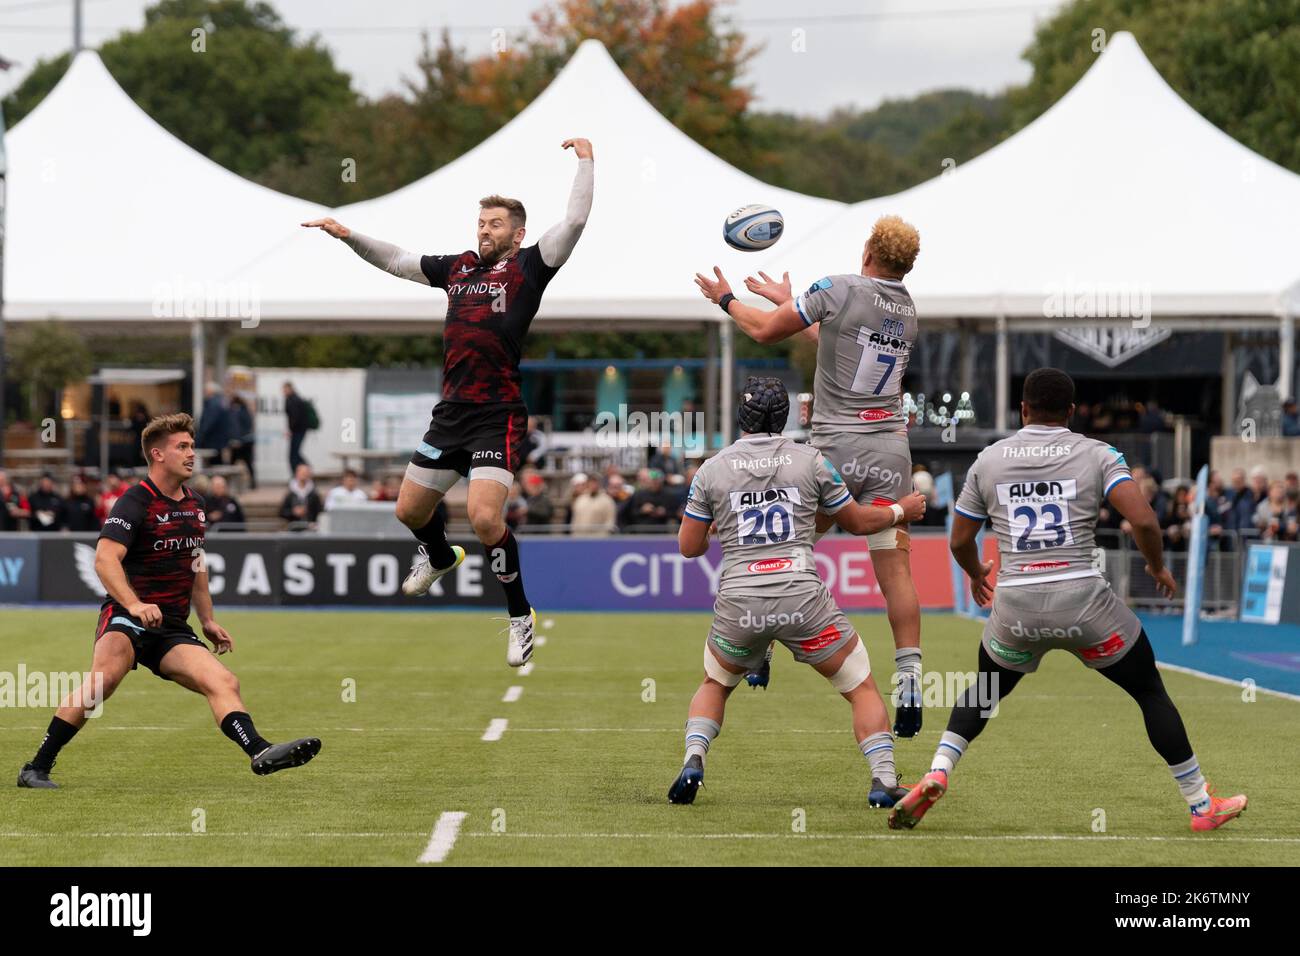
x: 717, y: 672
x: 855, y: 669
x: 890, y: 539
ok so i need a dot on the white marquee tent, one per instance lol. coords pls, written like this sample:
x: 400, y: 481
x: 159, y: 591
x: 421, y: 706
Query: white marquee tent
x: 1119, y: 194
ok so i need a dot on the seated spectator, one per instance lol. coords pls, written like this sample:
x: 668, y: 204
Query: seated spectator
x: 13, y: 505
x: 46, y: 506
x: 302, y: 504
x: 79, y: 507
x: 536, y: 501
x: 349, y: 491
x: 593, y: 512
x: 113, y: 488
x: 652, y: 508
x: 223, y: 510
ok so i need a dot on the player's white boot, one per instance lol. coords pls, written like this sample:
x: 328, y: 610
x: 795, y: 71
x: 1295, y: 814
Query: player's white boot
x: 423, y: 574
x: 519, y: 650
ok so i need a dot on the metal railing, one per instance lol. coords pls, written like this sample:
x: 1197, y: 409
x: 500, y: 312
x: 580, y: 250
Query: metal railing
x: 1125, y: 568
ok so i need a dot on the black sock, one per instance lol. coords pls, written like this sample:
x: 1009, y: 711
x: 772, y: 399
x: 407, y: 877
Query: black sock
x: 56, y: 738
x: 503, y: 559
x: 971, y: 714
x: 434, y: 538
x: 238, y: 726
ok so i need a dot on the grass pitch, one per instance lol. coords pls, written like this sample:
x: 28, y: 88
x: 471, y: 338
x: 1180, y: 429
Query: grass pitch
x: 581, y: 772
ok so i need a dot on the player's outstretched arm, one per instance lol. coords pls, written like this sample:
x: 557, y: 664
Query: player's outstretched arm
x: 1127, y: 499
x: 760, y: 325
x: 868, y: 519
x: 557, y: 243
x: 382, y: 255
x: 201, y: 599
x: 108, y: 565
x: 966, y: 553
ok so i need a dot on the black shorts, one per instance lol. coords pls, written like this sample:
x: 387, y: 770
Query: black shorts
x: 149, y: 643
x: 462, y: 436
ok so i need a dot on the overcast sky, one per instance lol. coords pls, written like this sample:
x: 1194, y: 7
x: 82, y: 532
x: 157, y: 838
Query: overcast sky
x: 858, y: 52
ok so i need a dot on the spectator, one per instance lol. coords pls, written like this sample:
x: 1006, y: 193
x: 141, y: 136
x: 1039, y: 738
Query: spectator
x: 1082, y: 422
x: 1177, y: 522
x: 1290, y: 420
x: 79, y: 507
x: 1151, y: 418
x: 350, y: 490
x: 593, y: 513
x: 1271, y: 518
x: 214, y: 432
x: 535, y: 443
x: 242, y: 437
x: 666, y: 460
x: 1291, y: 523
x: 223, y: 510
x: 139, y: 419
x: 392, y: 487
x: 114, y: 487
x: 1292, y: 482
x: 1215, y: 510
x: 652, y: 507
x: 616, y: 487
x: 516, y: 507
x: 379, y: 493
x: 302, y: 504
x: 295, y: 411
x: 13, y: 505
x: 538, y: 507
x: 46, y: 506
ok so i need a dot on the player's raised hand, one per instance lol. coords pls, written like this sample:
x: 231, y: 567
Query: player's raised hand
x: 1165, y: 583
x: 913, y: 506
x: 582, y: 147
x: 713, y: 290
x: 980, y: 588
x: 778, y: 293
x: 331, y: 226
x: 146, y: 614
x: 222, y: 643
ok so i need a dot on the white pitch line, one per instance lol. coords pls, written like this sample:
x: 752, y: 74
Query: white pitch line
x: 495, y: 729
x: 1224, y: 680
x: 936, y: 837
x: 526, y: 669
x: 444, y: 836
x: 512, y: 694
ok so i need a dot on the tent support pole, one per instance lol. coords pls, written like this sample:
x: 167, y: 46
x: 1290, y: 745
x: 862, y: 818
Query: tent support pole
x: 200, y: 360
x: 1002, y: 390
x: 1286, y: 354
x: 711, y: 335
x: 727, y: 404
x: 220, y: 353
x: 1228, y: 386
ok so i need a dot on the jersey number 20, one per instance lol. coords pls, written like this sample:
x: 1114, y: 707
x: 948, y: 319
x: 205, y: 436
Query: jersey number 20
x: 764, y: 525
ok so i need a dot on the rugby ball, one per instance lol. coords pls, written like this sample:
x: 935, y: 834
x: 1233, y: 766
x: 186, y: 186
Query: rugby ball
x: 751, y: 228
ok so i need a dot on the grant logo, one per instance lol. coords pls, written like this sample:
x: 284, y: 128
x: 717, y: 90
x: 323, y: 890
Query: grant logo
x: 873, y: 414
x: 1045, y: 566
x: 769, y: 565
x: 75, y: 908
x: 1019, y: 629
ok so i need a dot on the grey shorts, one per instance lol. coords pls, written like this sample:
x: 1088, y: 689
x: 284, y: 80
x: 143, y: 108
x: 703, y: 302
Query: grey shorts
x: 876, y: 466
x: 1081, y: 616
x: 804, y: 619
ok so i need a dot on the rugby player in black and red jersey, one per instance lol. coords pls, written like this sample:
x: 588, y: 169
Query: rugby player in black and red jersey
x: 150, y: 560
x: 478, y: 429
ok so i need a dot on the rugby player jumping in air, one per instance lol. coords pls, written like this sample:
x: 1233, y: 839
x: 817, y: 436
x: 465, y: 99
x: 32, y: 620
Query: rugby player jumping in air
x: 1042, y: 489
x: 150, y: 560
x: 478, y: 429
x: 858, y: 420
x: 763, y: 493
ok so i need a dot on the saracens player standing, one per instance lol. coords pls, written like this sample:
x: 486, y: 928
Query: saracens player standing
x: 478, y: 429
x: 150, y: 561
x: 858, y: 420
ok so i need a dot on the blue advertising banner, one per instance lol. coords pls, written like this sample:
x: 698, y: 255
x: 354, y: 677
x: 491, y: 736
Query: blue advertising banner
x: 19, y: 569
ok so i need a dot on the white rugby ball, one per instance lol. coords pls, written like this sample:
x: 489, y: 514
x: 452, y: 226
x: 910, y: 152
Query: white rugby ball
x: 754, y: 227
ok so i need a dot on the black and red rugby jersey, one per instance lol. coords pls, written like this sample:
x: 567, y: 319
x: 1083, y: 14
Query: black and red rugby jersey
x: 164, y: 541
x: 489, y: 309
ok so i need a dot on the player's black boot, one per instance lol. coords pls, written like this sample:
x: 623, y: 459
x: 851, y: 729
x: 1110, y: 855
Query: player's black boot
x: 907, y: 715
x: 283, y: 756
x: 35, y: 779
x: 882, y: 796
x: 688, y: 782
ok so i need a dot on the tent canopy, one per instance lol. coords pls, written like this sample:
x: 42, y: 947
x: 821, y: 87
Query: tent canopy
x: 1120, y: 194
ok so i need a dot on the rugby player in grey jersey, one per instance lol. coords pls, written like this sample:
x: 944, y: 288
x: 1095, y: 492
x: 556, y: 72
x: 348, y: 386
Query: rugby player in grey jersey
x: 858, y: 420
x: 1042, y: 489
x: 762, y: 494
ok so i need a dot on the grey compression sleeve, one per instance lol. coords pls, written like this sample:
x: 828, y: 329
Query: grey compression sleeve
x: 384, y: 255
x: 558, y: 242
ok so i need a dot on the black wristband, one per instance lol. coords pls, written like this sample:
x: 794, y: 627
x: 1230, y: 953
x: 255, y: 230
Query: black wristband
x: 725, y: 301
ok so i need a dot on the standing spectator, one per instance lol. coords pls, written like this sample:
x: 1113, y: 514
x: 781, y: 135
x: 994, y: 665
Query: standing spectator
x: 214, y: 431
x: 1271, y: 519
x: 1152, y: 419
x: 46, y: 506
x: 114, y: 487
x: 516, y: 507
x: 653, y: 506
x: 1215, y: 510
x: 139, y: 419
x: 378, y: 492
x: 302, y: 504
x: 295, y: 411
x: 80, y: 507
x: 350, y: 490
x: 242, y: 437
x: 1292, y: 482
x: 1290, y: 420
x: 535, y: 443
x: 223, y: 510
x: 539, y: 508
x: 593, y: 512
x: 665, y: 460
x: 1176, y: 525
x: 13, y: 505
x: 1291, y: 519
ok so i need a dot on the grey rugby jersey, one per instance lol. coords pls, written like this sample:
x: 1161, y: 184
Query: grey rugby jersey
x: 763, y: 492
x: 1042, y: 488
x: 868, y: 330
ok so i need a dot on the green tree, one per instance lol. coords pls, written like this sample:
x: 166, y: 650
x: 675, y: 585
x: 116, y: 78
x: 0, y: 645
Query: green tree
x: 46, y: 356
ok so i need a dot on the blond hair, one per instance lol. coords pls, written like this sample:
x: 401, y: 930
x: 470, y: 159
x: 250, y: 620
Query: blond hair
x: 163, y: 427
x: 513, y: 206
x: 894, y: 244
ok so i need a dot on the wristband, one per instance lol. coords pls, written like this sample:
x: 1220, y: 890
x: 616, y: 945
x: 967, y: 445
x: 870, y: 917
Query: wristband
x: 725, y: 301
x: 897, y: 509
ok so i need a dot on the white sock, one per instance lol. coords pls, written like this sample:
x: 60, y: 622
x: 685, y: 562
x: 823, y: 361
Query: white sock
x: 1191, y: 782
x: 907, y: 673
x: 879, y: 751
x: 951, y: 747
x: 700, y: 732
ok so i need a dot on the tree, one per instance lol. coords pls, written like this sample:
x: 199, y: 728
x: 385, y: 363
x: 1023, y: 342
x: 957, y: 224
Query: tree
x: 47, y: 356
